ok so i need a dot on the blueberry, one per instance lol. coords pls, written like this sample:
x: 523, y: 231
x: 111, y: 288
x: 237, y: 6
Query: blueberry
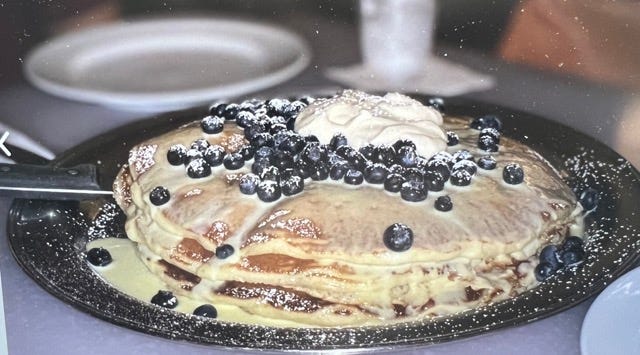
x: 311, y: 138
x: 233, y: 161
x: 368, y: 151
x: 375, y: 173
x: 200, y: 145
x: 344, y: 151
x: 159, y: 196
x: 446, y: 157
x: 249, y: 183
x: 99, y: 257
x: 213, y: 155
x: 177, y: 154
x: 268, y: 191
x: 275, y: 120
x: 193, y: 154
x: 434, y: 181
x: 291, y: 111
x: 206, y: 310
x: 165, y: 299
x: 314, y: 153
x: 572, y: 257
x: 385, y: 154
x: 460, y: 178
x: 245, y: 119
x: 462, y: 155
x: 406, y: 156
x: 487, y: 121
x: 467, y: 165
x: 549, y: 255
x: 393, y: 182
x: 353, y: 177
x: 338, y: 140
x: 212, y: 124
x: 248, y: 106
x: 396, y: 169
x: 217, y: 109
x: 403, y: 143
x: 247, y: 152
x: 254, y: 129
x: 488, y: 144
x: 280, y: 136
x: 261, y: 140
x: 487, y: 162
x: 259, y: 165
x: 443, y: 203
x: 589, y: 199
x: 572, y: 243
x: 291, y: 185
x: 302, y: 168
x: 398, y: 237
x: 276, y: 107
x: 439, y: 166
x: 356, y: 159
x: 338, y: 169
x: 264, y: 152
x: 413, y: 191
x: 319, y: 171
x: 260, y: 112
x: 198, y: 168
x: 293, y: 143
x: 277, y: 127
x: 437, y: 103
x: 452, y: 138
x: 413, y: 175
x: 224, y: 251
x: 513, y: 174
x: 306, y: 100
x: 543, y: 271
x: 230, y: 112
x: 490, y: 132
x: 270, y: 173
x: 283, y: 159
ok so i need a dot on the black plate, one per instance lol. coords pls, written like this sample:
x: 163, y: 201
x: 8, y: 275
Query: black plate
x: 48, y: 239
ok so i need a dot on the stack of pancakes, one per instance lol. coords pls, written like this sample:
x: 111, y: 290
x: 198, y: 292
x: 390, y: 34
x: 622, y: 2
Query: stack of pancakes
x: 318, y: 258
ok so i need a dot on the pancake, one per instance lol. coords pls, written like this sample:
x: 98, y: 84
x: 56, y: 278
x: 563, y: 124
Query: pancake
x: 319, y: 258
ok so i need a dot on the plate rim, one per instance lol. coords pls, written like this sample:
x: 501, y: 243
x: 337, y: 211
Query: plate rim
x: 177, y: 99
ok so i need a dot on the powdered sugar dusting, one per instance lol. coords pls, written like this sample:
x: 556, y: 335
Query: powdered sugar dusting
x: 273, y: 216
x: 218, y: 232
x: 302, y: 227
x: 193, y: 192
x: 233, y: 142
x: 141, y: 158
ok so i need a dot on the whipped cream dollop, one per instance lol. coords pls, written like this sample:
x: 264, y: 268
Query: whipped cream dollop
x: 365, y: 118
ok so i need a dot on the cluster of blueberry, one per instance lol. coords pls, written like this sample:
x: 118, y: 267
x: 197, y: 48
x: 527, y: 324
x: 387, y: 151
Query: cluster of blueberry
x: 167, y: 299
x: 283, y: 159
x: 555, y: 257
x: 101, y: 257
x: 571, y: 252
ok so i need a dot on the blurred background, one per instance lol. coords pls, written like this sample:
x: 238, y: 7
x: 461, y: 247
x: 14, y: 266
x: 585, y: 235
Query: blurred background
x: 577, y: 61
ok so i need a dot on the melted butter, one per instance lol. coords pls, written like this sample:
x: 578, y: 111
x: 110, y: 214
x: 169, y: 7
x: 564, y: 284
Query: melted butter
x: 128, y: 274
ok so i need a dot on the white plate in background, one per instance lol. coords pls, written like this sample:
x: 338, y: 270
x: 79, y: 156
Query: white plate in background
x: 166, y: 64
x: 612, y: 324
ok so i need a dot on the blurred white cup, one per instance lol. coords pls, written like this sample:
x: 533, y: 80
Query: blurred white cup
x: 396, y: 36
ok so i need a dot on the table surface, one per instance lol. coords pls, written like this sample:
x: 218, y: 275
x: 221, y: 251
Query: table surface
x: 38, y: 323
